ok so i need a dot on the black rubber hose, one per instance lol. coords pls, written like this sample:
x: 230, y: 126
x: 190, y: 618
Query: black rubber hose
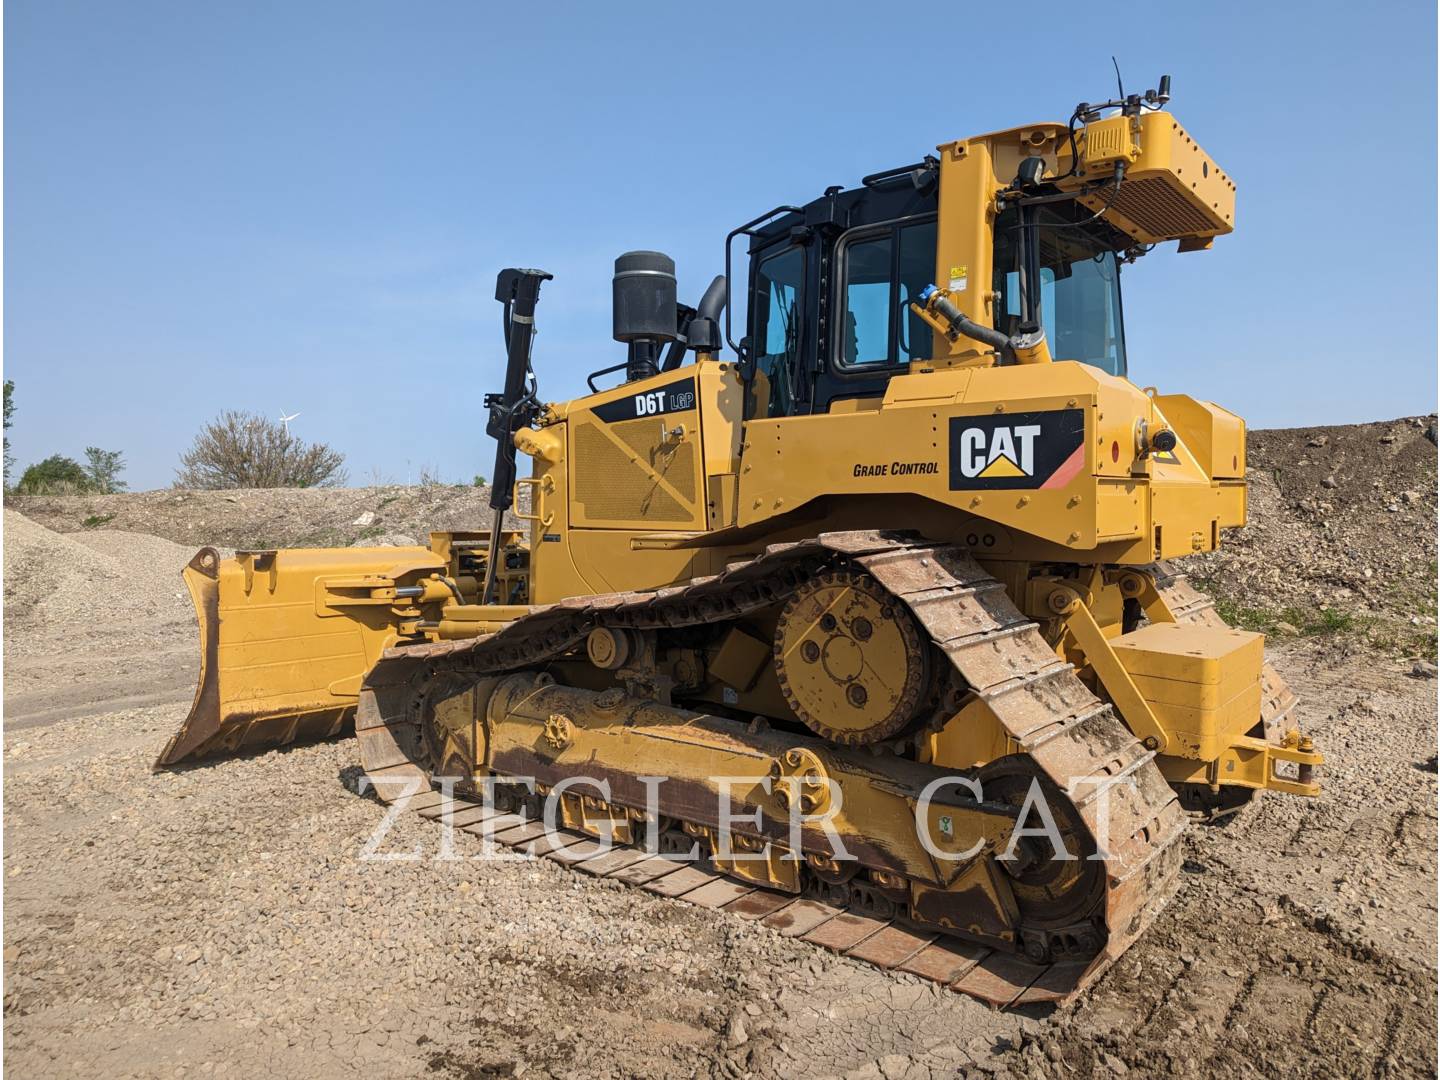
x: 984, y: 334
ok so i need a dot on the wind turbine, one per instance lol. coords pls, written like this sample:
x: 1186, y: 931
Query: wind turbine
x: 286, y: 420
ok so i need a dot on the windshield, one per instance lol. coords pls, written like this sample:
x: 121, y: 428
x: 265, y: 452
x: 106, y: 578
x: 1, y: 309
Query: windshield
x: 1079, y: 283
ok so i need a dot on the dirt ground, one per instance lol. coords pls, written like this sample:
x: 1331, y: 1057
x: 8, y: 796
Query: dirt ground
x: 218, y: 920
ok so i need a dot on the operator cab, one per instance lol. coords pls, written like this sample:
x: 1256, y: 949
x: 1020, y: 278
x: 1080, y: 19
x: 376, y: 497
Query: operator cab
x: 831, y: 285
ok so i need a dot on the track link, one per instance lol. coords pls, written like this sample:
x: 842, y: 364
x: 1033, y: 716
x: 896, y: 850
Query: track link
x: 1070, y: 737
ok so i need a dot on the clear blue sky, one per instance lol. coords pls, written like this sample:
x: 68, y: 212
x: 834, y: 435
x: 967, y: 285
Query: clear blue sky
x: 302, y: 206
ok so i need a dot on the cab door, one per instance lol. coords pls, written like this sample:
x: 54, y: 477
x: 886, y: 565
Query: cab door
x: 877, y: 270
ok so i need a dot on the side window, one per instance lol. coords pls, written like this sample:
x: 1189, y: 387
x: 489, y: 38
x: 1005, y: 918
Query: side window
x: 917, y: 270
x: 882, y: 274
x: 775, y: 333
x: 1011, y: 293
x: 865, y: 333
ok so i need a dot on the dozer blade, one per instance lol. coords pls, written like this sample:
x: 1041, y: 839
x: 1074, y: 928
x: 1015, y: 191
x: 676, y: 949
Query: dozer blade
x: 285, y: 639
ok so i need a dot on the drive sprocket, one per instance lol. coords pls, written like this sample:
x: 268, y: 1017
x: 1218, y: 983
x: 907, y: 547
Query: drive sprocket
x: 850, y: 661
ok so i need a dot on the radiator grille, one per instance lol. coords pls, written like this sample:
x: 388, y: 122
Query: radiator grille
x: 609, y: 486
x: 1160, y: 210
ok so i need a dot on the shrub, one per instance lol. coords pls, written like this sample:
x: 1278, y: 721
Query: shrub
x: 243, y: 450
x: 56, y: 475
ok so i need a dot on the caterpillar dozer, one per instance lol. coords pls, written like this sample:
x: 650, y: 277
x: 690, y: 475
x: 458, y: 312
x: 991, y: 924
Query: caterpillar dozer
x: 874, y: 615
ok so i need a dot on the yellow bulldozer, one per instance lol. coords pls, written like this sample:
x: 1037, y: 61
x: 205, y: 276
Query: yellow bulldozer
x: 865, y: 628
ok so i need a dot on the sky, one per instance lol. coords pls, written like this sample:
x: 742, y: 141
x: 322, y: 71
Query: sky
x: 302, y: 207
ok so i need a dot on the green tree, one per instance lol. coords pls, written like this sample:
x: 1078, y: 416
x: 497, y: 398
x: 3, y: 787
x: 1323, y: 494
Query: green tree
x: 9, y: 413
x: 242, y: 450
x: 56, y: 475
x: 104, y: 467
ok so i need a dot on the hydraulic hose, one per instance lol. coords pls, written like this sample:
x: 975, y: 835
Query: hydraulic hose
x: 931, y: 298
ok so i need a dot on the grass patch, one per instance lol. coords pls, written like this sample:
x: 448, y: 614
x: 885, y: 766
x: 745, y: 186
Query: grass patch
x: 1331, y: 621
x: 386, y: 501
x: 94, y: 521
x: 1257, y: 619
x: 1289, y: 621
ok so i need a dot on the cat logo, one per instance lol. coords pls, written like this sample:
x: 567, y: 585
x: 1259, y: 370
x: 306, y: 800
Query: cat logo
x: 1022, y: 450
x: 1007, y: 451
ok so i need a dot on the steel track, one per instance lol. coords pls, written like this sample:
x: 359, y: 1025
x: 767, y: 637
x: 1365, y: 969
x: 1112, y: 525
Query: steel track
x: 1067, y: 734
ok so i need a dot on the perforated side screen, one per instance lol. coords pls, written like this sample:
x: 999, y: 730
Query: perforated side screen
x: 654, y: 483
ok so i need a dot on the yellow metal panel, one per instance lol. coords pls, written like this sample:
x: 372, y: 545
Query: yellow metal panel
x: 1202, y: 682
x: 1233, y: 499
x: 969, y: 739
x: 1172, y: 188
x: 1120, y: 509
x: 741, y: 659
x: 854, y: 404
x: 720, y: 501
x: 635, y: 453
x: 1215, y: 436
x: 608, y: 561
x: 721, y: 399
x: 1206, y: 732
x: 1192, y: 653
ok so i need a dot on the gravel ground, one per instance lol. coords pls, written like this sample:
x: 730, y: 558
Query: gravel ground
x: 239, y: 931
x: 220, y: 920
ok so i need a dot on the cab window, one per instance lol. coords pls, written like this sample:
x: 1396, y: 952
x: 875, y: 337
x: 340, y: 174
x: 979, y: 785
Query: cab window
x: 1079, y: 288
x: 881, y: 272
x: 775, y: 334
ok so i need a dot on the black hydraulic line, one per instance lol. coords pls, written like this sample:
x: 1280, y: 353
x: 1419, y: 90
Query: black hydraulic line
x: 961, y: 324
x: 674, y: 355
x: 516, y: 406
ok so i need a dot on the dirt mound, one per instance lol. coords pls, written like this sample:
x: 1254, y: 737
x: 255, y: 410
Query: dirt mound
x: 49, y: 575
x: 260, y: 518
x: 1341, y: 535
x: 122, y: 587
x: 68, y: 580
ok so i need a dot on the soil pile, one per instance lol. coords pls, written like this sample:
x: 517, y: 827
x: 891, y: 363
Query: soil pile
x: 102, y: 614
x: 61, y: 581
x: 1341, y: 535
x: 271, y: 518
